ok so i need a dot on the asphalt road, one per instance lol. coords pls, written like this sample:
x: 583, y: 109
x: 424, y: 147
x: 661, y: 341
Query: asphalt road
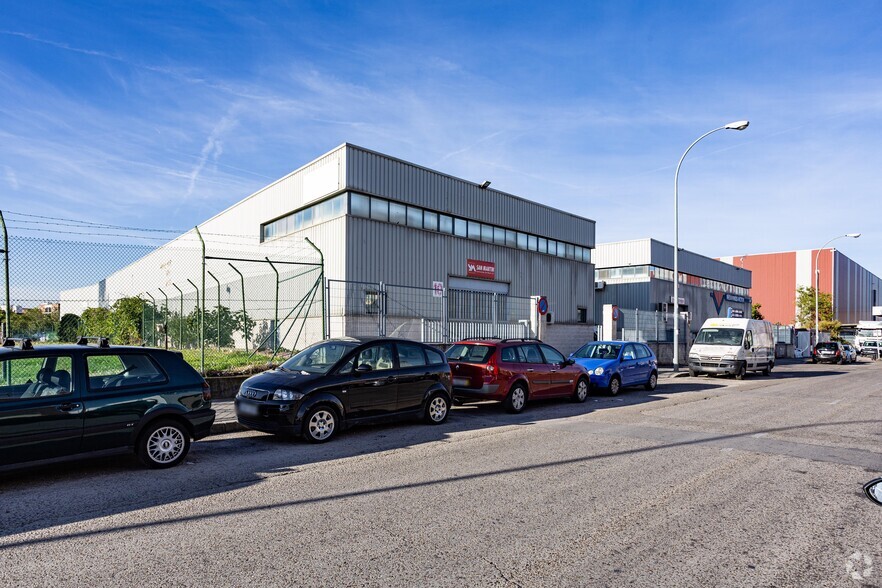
x: 706, y: 482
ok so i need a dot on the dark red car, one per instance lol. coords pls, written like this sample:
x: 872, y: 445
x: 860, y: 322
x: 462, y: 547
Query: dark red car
x: 514, y: 371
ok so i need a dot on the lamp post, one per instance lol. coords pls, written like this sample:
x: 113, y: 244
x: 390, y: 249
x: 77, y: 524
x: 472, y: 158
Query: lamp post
x: 818, y: 278
x: 733, y: 126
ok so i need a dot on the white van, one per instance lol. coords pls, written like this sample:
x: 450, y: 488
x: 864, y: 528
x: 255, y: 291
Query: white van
x: 733, y: 346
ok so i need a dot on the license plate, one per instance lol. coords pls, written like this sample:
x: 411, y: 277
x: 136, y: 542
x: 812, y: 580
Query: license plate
x: 460, y: 382
x: 247, y: 409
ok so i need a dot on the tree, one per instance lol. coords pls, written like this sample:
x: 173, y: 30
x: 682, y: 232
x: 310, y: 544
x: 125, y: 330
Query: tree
x: 69, y: 328
x: 805, y: 307
x: 755, y: 311
x: 96, y: 322
x: 126, y: 315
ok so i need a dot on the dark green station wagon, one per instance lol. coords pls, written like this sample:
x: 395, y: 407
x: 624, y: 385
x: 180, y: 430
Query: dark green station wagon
x: 62, y: 401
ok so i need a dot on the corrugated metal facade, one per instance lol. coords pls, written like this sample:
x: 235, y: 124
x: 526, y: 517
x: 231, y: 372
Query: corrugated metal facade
x: 855, y: 290
x: 652, y: 252
x: 401, y: 255
x: 381, y: 175
x: 776, y: 277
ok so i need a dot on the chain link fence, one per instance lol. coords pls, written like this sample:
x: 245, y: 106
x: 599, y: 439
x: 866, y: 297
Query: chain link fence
x: 648, y: 326
x: 226, y: 301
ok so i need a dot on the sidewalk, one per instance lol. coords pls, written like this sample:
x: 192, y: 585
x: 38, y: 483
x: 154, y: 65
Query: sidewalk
x: 225, y: 417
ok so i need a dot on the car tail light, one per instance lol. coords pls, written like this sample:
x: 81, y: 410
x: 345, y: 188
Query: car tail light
x: 490, y: 368
x: 206, y: 391
x: 837, y: 353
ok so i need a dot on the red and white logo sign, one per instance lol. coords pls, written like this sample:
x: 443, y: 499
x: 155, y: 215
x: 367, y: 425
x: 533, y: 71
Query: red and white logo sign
x: 481, y: 269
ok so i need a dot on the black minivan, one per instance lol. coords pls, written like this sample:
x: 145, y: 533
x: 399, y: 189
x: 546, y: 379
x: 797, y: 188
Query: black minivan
x: 62, y: 401
x: 341, y: 382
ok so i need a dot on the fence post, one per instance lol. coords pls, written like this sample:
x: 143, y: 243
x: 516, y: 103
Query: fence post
x: 381, y: 318
x: 217, y: 331
x: 165, y: 318
x: 493, y: 314
x: 276, y: 321
x: 322, y: 282
x: 202, y: 308
x: 245, y: 328
x: 180, y: 319
x: 8, y: 317
x: 152, y: 319
x: 201, y: 338
x: 656, y: 326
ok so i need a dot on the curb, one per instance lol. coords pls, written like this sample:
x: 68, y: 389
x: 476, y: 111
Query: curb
x: 226, y: 427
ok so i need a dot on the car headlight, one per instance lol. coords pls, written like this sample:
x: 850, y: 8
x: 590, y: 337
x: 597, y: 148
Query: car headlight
x: 730, y: 356
x: 286, y: 395
x: 598, y: 371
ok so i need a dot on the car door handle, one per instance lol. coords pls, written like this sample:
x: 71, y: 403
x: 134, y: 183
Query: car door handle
x: 73, y: 407
x: 530, y: 370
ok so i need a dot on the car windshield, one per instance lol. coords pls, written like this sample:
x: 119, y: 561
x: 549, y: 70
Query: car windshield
x: 870, y: 344
x: 599, y: 351
x: 827, y: 346
x: 719, y: 337
x: 470, y: 353
x: 320, y: 358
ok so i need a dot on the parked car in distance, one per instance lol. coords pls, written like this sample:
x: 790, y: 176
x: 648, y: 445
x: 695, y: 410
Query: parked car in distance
x: 339, y: 383
x: 63, y: 401
x: 514, y: 371
x: 849, y: 353
x: 828, y: 352
x: 616, y: 364
x: 871, y: 349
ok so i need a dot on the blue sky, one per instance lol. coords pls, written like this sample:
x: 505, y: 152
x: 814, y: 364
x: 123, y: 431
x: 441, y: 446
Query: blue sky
x: 161, y: 114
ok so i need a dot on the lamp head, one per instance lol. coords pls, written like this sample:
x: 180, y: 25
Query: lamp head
x: 738, y: 125
x: 853, y: 235
x: 484, y: 185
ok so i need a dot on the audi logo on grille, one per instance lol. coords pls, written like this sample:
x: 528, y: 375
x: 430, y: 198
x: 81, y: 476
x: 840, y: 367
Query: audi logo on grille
x: 252, y: 393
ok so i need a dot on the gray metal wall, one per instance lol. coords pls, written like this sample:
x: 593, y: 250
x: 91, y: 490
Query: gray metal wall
x: 645, y: 296
x: 395, y: 254
x: 652, y: 252
x: 853, y: 288
x: 381, y: 175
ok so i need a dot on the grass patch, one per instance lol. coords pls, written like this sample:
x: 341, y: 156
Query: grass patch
x: 232, y: 362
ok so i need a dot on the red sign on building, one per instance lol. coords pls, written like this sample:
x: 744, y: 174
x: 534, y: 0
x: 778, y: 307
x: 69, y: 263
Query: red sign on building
x: 481, y: 269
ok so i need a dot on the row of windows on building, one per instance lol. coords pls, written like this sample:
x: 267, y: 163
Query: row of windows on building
x: 642, y: 273
x: 393, y: 212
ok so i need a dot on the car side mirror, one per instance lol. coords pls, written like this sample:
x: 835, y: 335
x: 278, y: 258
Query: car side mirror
x: 568, y: 361
x: 364, y: 368
x: 747, y: 344
x: 873, y: 490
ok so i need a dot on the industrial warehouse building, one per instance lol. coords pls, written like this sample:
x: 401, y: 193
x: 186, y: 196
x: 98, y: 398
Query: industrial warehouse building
x: 406, y: 250
x: 637, y: 278
x: 776, y: 276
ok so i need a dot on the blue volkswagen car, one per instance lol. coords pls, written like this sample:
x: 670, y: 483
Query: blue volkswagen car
x: 614, y: 364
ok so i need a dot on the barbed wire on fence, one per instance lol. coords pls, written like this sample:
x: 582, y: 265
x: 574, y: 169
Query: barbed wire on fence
x: 223, y: 299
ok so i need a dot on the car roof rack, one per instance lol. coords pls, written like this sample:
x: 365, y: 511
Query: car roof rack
x: 23, y: 343
x: 103, y: 342
x: 522, y: 339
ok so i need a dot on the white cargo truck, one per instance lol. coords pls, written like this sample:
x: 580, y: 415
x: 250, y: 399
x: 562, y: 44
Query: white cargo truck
x: 733, y: 346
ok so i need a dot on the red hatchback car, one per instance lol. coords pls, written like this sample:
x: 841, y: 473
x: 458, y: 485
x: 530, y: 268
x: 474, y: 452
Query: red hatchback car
x: 514, y: 371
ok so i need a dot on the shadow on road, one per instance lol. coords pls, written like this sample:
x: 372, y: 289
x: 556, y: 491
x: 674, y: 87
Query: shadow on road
x: 711, y: 440
x: 93, y: 488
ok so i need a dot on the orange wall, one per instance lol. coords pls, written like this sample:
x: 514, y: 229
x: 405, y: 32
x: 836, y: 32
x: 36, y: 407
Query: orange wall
x: 774, y: 284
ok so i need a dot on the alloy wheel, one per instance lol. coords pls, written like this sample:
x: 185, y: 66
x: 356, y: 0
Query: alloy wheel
x: 165, y: 444
x: 321, y: 425
x: 438, y: 409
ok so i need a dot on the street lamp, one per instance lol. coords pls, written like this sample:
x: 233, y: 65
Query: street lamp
x: 733, y: 126
x: 818, y: 277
